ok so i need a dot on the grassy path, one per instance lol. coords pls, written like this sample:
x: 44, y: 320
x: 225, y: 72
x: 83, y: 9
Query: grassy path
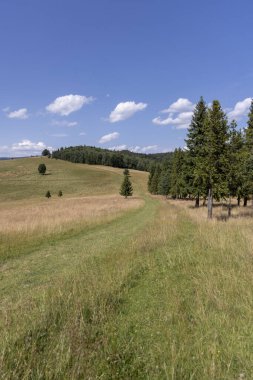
x: 152, y: 298
x: 59, y: 258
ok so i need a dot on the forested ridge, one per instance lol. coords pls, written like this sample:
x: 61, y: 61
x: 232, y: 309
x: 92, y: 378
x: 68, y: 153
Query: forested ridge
x: 119, y: 159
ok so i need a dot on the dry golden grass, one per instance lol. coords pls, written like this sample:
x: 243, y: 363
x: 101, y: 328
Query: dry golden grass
x: 53, y: 215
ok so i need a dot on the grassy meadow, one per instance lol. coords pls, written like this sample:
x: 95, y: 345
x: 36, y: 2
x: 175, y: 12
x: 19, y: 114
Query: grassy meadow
x: 94, y: 286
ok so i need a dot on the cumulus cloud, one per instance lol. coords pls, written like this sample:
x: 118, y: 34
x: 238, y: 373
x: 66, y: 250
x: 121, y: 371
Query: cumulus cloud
x: 107, y: 138
x: 240, y: 109
x: 125, y: 110
x: 64, y: 123
x: 24, y: 148
x: 22, y: 113
x: 180, y: 121
x: 181, y: 105
x: 65, y: 105
x: 179, y: 114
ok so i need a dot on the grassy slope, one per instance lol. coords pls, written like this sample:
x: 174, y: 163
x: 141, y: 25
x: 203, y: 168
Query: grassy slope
x: 158, y: 293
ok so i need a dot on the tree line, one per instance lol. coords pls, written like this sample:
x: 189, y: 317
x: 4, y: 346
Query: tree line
x: 217, y: 162
x: 119, y: 159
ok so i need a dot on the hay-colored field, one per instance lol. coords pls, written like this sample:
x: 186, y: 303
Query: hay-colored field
x: 53, y: 215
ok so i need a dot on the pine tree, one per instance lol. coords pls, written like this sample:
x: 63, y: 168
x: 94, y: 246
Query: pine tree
x: 248, y: 158
x: 150, y: 177
x: 164, y: 182
x: 48, y: 194
x: 178, y: 187
x: 235, y: 176
x: 126, y: 189
x: 155, y: 180
x: 216, y: 159
x: 195, y: 143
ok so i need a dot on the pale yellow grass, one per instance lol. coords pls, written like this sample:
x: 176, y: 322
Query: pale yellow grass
x: 53, y: 215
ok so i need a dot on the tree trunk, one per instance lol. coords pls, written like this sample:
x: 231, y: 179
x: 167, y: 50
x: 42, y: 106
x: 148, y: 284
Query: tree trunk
x: 197, y: 201
x: 238, y: 201
x: 210, y: 204
x: 229, y: 207
x: 204, y: 201
x: 245, y: 201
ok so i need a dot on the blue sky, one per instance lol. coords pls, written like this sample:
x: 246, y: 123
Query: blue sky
x: 118, y: 73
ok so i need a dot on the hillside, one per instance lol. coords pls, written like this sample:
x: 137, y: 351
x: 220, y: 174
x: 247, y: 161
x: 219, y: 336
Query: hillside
x: 94, y: 286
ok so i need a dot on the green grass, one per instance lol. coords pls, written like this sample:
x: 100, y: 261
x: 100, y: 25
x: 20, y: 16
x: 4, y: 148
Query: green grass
x: 157, y: 293
x: 20, y: 179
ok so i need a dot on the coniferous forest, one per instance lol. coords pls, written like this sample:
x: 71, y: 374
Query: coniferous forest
x: 216, y: 163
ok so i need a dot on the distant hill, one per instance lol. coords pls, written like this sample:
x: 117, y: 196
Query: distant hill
x: 119, y: 159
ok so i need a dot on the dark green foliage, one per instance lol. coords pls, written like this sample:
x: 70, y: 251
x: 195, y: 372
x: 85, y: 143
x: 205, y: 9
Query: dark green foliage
x: 178, y: 184
x: 155, y: 180
x: 196, y: 152
x: 126, y: 172
x: 126, y: 189
x: 249, y: 129
x: 216, y: 146
x: 48, y: 194
x: 60, y: 194
x: 42, y: 169
x: 46, y: 152
x: 97, y: 156
x: 164, y: 182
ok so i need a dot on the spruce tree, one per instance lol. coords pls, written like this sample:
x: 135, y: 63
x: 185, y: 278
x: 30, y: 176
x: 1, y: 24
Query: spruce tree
x: 126, y: 188
x: 195, y: 143
x: 48, y: 194
x: 216, y: 159
x: 235, y: 176
x: 164, y: 182
x: 150, y: 177
x: 155, y: 180
x: 248, y: 158
x: 178, y: 183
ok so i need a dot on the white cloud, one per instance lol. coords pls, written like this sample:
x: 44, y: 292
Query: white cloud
x: 64, y: 123
x: 125, y: 110
x: 65, y: 105
x: 240, y: 109
x: 136, y: 149
x: 107, y: 138
x: 181, y: 105
x: 18, y: 114
x: 118, y: 147
x: 180, y: 114
x: 180, y: 121
x: 24, y: 148
x: 82, y: 134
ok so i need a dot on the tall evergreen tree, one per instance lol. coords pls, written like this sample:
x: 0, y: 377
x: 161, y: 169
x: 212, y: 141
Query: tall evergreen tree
x: 216, y: 161
x: 178, y: 184
x: 155, y: 180
x: 126, y: 189
x: 236, y: 158
x: 248, y: 163
x: 195, y: 143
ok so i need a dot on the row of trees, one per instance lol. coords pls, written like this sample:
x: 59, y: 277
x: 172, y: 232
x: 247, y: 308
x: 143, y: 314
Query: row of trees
x: 216, y: 164
x: 97, y: 156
